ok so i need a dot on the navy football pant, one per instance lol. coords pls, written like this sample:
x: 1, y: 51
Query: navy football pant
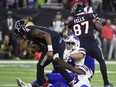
x: 94, y: 50
x: 44, y: 61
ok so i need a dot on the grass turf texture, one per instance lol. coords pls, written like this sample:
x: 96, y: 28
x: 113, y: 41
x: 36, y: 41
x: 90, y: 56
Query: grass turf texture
x: 10, y: 70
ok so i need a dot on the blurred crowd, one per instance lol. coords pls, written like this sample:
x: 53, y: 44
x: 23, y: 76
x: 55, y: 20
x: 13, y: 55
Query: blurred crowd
x: 99, y: 5
x: 13, y: 48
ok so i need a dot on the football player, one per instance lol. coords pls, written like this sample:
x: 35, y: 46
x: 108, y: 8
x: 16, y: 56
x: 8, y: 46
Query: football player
x: 83, y: 27
x: 75, y: 56
x: 53, y: 43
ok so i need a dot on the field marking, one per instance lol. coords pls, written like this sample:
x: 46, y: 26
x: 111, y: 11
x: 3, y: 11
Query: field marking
x: 49, y: 71
x: 16, y: 61
x: 113, y: 72
x: 10, y: 85
x: 15, y: 85
x: 34, y: 62
x: 10, y: 62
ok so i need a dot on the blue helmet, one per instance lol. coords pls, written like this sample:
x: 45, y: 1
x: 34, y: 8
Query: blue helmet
x: 20, y: 26
x: 77, y: 8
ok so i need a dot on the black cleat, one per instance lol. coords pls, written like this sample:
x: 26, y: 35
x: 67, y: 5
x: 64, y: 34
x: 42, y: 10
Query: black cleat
x: 109, y: 85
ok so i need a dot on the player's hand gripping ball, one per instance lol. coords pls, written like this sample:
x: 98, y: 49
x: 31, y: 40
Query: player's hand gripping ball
x: 34, y: 47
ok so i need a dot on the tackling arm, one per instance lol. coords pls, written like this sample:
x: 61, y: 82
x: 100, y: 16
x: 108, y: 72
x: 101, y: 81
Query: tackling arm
x: 77, y: 56
x: 69, y: 67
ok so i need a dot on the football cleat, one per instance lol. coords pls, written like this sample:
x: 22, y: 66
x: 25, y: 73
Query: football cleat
x: 22, y: 84
x: 109, y: 85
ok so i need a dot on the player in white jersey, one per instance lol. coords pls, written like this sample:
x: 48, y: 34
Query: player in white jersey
x: 76, y: 56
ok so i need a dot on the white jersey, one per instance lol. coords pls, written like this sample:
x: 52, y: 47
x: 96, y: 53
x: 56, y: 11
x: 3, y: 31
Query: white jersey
x: 79, y: 80
x: 73, y: 61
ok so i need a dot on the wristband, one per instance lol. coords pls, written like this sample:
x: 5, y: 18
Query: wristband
x: 50, y: 48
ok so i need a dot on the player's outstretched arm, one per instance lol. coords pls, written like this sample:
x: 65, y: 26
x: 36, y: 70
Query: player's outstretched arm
x: 68, y: 66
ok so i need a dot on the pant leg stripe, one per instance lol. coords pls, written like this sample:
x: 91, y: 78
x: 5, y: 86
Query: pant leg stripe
x: 43, y: 61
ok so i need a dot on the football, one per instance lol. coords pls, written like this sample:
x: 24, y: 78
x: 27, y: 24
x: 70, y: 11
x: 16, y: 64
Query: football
x: 34, y: 47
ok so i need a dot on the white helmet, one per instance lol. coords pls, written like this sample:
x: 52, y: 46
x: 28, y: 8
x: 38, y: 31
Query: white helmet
x: 73, y: 40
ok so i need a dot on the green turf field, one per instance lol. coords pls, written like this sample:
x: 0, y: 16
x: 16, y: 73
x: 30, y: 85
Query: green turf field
x: 10, y: 70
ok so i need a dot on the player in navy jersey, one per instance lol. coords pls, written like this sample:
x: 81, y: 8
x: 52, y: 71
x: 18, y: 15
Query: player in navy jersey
x: 83, y: 26
x: 53, y: 43
x: 55, y: 79
x: 78, y: 57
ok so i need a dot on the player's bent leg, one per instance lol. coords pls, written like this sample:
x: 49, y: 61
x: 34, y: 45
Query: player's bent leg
x: 59, y: 84
x: 63, y: 72
x: 55, y: 77
x: 90, y: 62
x: 98, y: 55
x: 40, y: 74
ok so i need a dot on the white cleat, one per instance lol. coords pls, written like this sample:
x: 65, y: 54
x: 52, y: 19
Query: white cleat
x: 23, y: 84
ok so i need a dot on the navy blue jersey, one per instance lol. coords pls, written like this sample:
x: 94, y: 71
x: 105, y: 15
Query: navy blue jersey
x: 54, y: 35
x: 83, y: 27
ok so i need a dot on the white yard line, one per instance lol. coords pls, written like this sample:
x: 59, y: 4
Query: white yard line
x: 113, y: 72
x: 15, y: 85
x: 34, y: 62
x: 48, y: 71
x: 16, y: 61
x: 8, y: 85
x: 107, y: 62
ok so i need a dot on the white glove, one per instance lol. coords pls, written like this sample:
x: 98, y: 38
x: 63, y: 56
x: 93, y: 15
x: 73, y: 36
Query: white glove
x: 56, y: 56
